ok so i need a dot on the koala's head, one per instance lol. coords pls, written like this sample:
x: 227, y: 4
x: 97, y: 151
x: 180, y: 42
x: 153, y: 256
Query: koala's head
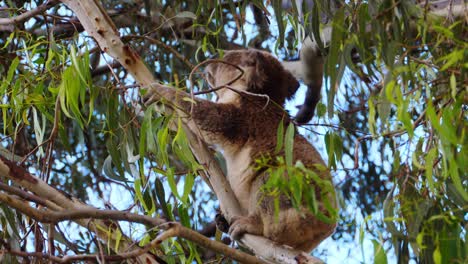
x: 263, y: 74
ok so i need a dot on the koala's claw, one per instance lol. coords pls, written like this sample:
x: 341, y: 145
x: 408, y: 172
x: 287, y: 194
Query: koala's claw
x: 151, y: 96
x: 242, y: 224
x: 158, y: 92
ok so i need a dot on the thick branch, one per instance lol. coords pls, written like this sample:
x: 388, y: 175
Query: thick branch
x: 177, y: 230
x: 173, y: 229
x: 54, y: 217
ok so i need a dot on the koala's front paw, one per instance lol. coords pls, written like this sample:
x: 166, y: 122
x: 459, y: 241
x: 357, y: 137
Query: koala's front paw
x: 245, y: 224
x: 157, y: 93
x: 151, y: 96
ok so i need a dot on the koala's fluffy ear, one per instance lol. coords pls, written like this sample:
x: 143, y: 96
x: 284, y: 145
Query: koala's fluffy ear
x: 255, y: 75
x: 269, y: 77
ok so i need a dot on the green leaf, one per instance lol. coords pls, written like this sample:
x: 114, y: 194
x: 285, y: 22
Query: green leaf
x: 163, y: 140
x: 430, y: 158
x: 448, y: 128
x: 39, y: 129
x: 431, y: 114
x: 404, y: 116
x: 334, y: 147
x: 169, y: 173
x: 189, y: 181
x: 161, y: 196
x: 107, y: 169
x: 321, y: 109
x: 289, y: 144
x: 11, y: 219
x: 181, y: 148
x: 451, y: 59
x: 338, y: 146
x: 380, y: 257
x: 311, y: 200
x: 11, y: 71
x: 148, y: 201
x: 9, y: 39
x: 184, y: 215
x: 295, y: 185
x: 347, y: 57
x: 383, y: 108
x: 420, y: 239
x: 114, y: 159
x: 454, y: 174
x: 437, y: 257
x: 279, y: 137
x: 277, y: 8
x: 316, y: 29
x: 329, y: 148
x: 389, y: 52
x: 276, y: 205
x: 76, y: 64
x: 334, y: 58
x: 118, y: 237
x: 453, y: 85
x: 389, y: 91
x: 139, y: 194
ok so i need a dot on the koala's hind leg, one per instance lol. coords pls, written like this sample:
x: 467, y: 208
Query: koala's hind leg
x: 245, y: 224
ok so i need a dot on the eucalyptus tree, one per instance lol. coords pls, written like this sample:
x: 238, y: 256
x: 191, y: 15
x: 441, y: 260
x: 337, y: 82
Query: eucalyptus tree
x: 391, y: 122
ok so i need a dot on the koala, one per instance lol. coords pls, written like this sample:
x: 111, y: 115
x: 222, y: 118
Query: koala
x: 243, y: 123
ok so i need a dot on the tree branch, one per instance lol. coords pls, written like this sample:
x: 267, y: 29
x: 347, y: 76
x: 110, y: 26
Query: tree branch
x: 27, y: 15
x: 60, y: 206
x: 173, y: 229
x: 177, y: 230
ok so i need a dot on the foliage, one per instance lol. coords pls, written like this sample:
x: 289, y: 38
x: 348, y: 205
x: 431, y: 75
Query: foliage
x: 294, y: 187
x: 414, y: 114
x: 392, y: 124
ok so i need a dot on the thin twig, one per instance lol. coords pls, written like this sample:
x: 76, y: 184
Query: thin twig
x: 48, y: 216
x: 224, y: 85
x: 50, y: 239
x: 210, y: 84
x: 251, y: 94
x: 27, y: 15
x: 215, y: 61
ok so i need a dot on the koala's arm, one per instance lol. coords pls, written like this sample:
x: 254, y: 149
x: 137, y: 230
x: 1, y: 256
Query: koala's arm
x: 214, y: 121
x: 310, y: 70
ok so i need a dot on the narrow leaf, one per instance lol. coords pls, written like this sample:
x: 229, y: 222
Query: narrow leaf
x: 289, y: 144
